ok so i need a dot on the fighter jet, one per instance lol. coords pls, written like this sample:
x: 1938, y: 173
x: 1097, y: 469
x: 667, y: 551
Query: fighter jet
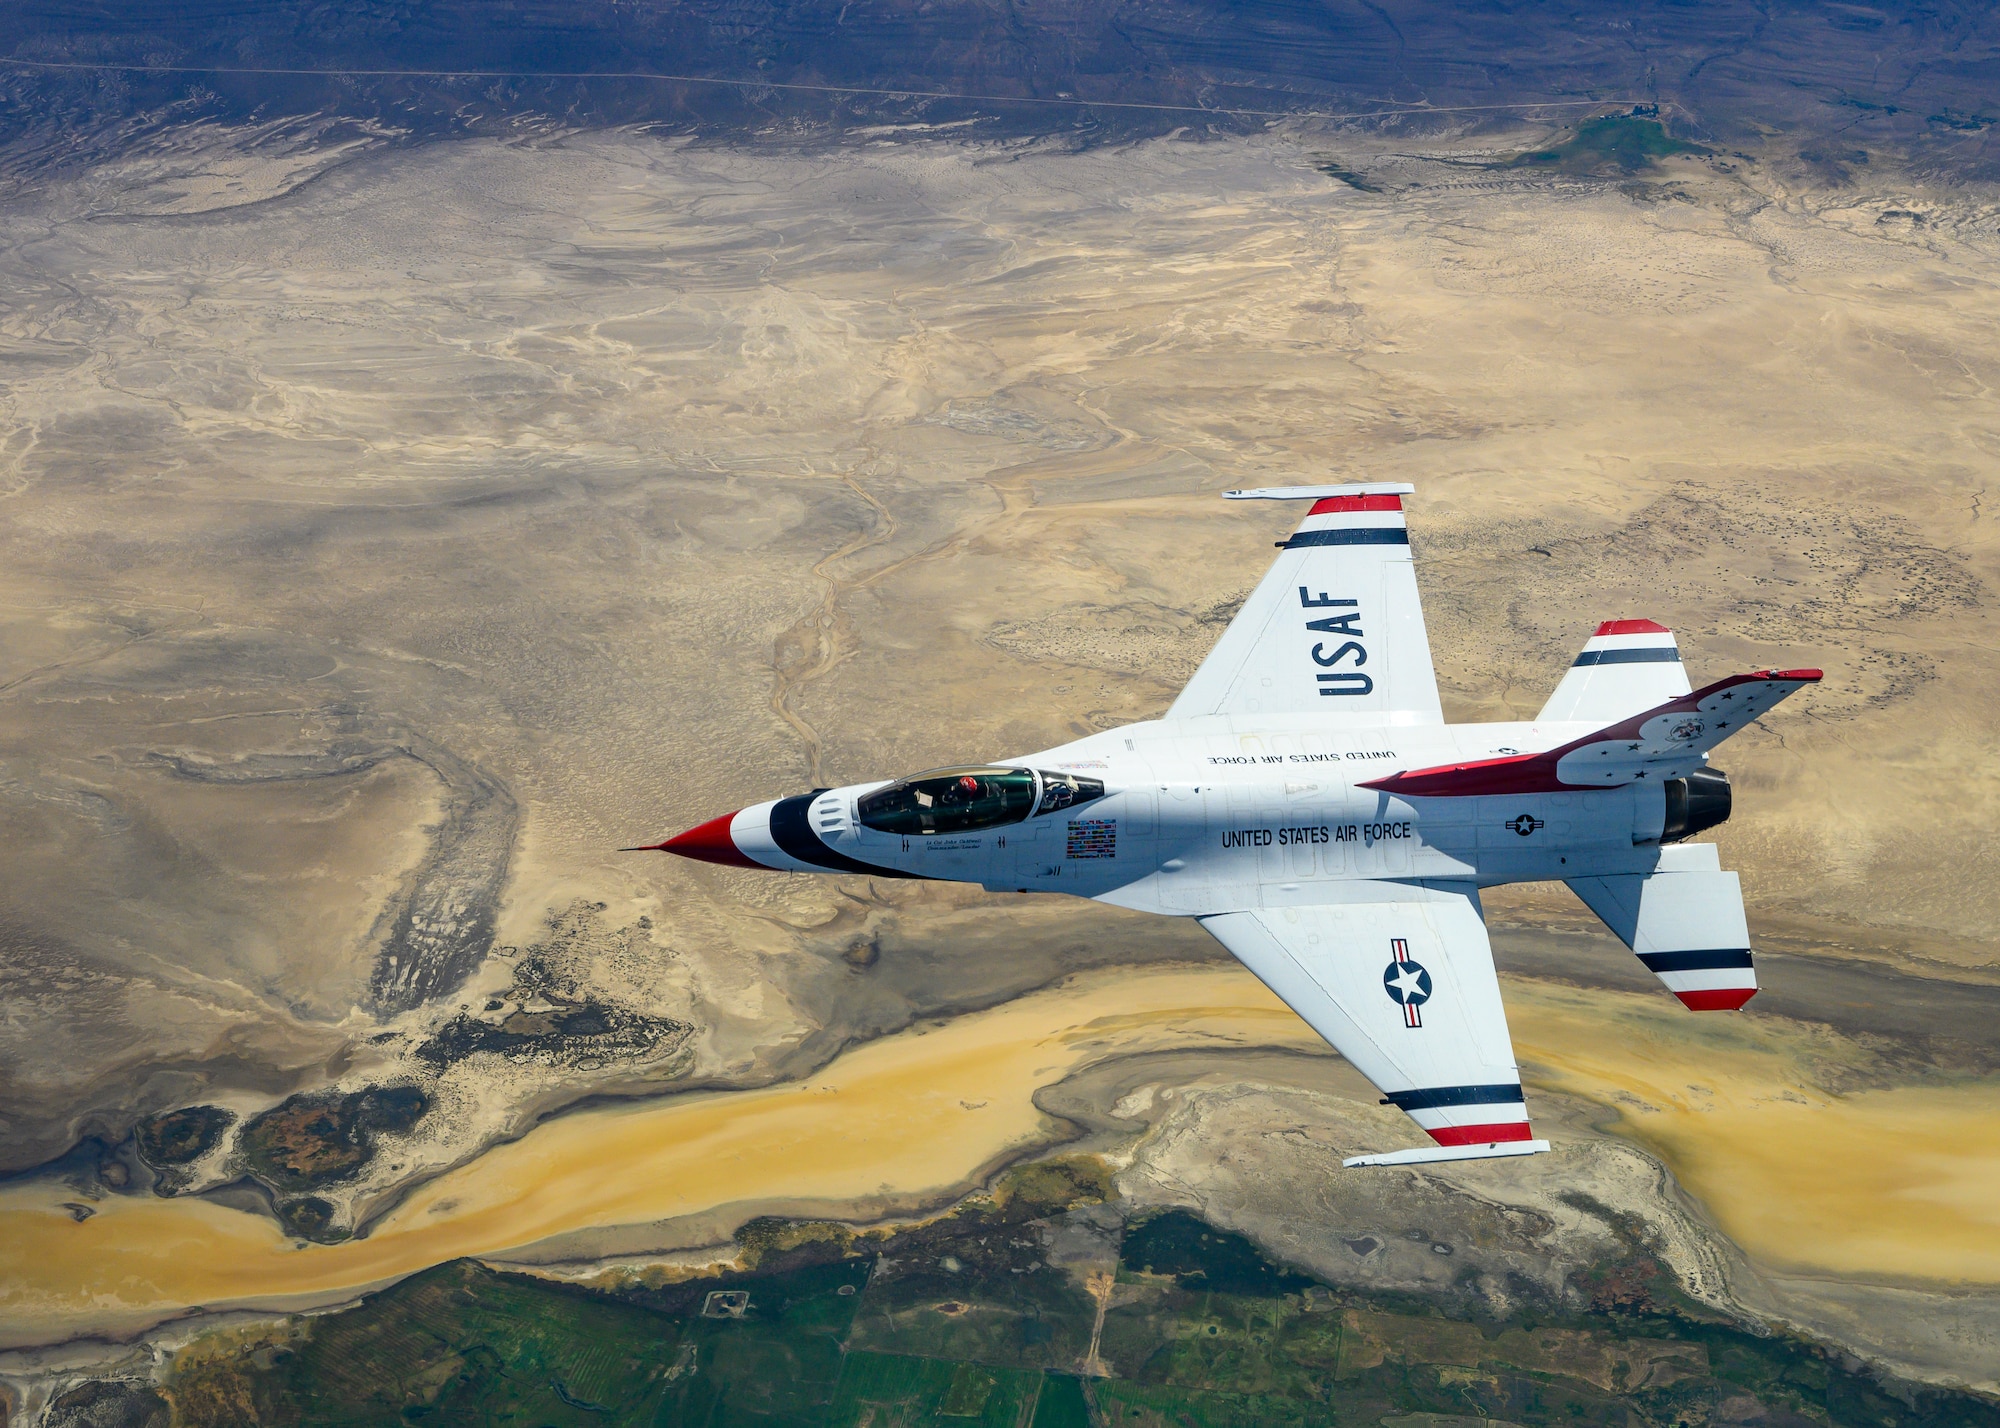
x: 1305, y: 801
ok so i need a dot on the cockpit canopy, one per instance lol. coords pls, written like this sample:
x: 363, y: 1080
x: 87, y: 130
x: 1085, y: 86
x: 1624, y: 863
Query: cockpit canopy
x: 966, y: 800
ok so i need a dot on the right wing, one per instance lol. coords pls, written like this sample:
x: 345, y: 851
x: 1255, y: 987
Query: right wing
x: 1404, y: 988
x: 1335, y: 628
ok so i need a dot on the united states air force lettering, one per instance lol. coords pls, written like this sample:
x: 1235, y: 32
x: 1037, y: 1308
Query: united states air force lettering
x: 1344, y: 644
x: 1293, y: 836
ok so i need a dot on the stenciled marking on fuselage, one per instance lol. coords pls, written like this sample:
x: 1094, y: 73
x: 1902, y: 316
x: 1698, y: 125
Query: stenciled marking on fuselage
x: 1384, y: 832
x: 1290, y: 836
x: 1348, y: 627
x: 1296, y: 835
x: 1239, y: 759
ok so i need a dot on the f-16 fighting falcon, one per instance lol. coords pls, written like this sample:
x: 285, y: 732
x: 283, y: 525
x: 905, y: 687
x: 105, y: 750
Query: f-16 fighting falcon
x: 1304, y: 800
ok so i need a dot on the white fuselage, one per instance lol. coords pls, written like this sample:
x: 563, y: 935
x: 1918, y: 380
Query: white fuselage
x: 1225, y: 813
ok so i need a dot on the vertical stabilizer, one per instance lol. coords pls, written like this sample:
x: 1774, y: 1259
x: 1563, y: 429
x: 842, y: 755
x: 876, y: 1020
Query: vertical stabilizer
x: 1627, y: 666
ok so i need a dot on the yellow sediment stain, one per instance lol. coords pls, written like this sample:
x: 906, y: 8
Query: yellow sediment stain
x: 1894, y: 1182
x: 899, y: 1116
x: 1902, y: 1182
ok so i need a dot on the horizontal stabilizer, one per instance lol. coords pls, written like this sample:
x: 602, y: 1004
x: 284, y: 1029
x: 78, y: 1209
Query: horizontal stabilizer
x: 1686, y: 924
x: 1450, y: 1152
x: 1671, y: 740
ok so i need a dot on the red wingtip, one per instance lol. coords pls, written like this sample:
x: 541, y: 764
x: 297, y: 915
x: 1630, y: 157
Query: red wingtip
x: 1721, y: 999
x: 1809, y: 676
x: 709, y: 843
x: 1330, y: 505
x: 1482, y: 1135
x: 1632, y: 627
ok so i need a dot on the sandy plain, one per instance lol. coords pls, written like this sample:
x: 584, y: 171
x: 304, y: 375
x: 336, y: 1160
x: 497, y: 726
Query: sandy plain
x: 389, y: 535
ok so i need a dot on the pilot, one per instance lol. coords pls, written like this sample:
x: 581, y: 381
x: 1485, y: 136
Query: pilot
x: 965, y: 789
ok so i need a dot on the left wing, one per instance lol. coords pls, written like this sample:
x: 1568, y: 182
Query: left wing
x: 1399, y: 978
x: 1334, y: 628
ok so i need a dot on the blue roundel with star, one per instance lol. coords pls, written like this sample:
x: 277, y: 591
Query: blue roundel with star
x: 1407, y: 983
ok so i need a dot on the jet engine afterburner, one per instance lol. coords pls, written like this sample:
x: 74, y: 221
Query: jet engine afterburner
x: 1699, y: 801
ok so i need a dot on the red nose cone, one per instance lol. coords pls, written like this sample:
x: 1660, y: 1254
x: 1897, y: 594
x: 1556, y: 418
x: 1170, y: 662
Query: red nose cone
x: 710, y: 842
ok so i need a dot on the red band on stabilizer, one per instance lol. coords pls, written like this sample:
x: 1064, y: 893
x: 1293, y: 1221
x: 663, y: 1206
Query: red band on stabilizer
x: 1721, y: 999
x: 1516, y: 773
x: 1328, y: 505
x: 710, y: 843
x: 1482, y: 1135
x: 1632, y: 627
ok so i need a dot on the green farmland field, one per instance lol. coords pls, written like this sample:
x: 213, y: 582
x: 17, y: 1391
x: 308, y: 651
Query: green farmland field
x: 960, y: 1323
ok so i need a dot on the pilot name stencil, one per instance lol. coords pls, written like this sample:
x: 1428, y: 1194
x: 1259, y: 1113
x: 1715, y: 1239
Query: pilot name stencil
x: 1348, y: 627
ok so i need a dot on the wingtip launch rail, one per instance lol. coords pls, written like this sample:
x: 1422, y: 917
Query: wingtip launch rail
x: 1321, y: 493
x: 1431, y: 1155
x: 1305, y: 800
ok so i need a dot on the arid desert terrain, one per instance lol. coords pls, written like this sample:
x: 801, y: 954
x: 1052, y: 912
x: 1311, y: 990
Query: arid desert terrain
x: 388, y: 535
